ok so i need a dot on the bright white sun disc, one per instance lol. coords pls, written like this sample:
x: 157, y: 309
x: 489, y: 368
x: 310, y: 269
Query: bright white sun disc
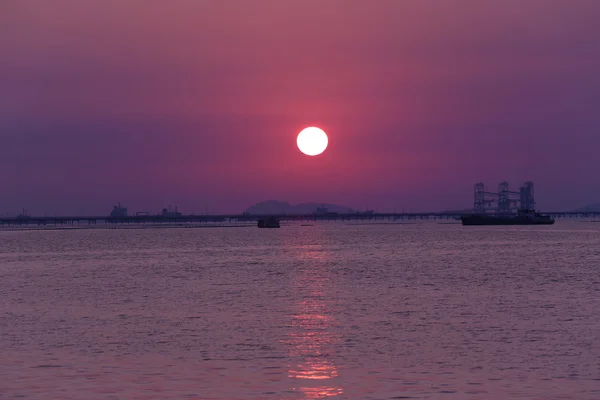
x: 312, y: 141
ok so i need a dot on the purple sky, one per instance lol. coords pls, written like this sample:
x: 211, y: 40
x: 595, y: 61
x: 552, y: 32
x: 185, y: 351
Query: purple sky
x: 198, y: 103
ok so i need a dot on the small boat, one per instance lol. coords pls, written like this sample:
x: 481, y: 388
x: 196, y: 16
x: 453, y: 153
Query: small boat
x: 523, y: 217
x: 270, y: 222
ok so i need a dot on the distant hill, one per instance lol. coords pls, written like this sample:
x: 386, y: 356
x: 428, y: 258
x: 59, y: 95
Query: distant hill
x: 279, y: 207
x: 589, y: 208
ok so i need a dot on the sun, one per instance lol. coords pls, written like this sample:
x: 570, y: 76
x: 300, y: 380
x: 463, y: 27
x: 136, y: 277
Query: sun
x: 312, y: 141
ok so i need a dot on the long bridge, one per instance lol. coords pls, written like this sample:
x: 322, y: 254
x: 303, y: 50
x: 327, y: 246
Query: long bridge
x: 503, y: 202
x: 24, y: 221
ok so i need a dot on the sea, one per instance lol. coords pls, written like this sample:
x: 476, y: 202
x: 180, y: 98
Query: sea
x: 422, y: 310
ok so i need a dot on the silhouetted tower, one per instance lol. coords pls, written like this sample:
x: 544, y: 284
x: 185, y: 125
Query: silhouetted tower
x: 479, y: 202
x: 527, y: 199
x: 503, y: 198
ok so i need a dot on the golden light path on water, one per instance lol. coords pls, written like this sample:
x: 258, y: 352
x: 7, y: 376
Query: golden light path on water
x: 311, y: 332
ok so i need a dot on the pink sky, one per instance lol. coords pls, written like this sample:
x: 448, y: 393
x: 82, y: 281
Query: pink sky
x: 199, y: 103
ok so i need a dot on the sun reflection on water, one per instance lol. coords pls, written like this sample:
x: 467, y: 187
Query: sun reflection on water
x: 311, y: 331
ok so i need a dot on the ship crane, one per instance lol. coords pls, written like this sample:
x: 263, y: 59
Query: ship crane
x: 505, y: 201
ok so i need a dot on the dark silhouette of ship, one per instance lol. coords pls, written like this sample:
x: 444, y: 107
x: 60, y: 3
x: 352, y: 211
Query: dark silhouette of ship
x: 522, y: 217
x: 270, y: 222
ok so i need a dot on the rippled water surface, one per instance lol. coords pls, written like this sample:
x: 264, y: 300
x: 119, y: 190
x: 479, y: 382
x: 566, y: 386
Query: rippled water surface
x: 413, y: 311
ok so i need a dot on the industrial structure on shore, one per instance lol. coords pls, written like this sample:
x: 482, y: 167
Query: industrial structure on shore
x: 504, y: 201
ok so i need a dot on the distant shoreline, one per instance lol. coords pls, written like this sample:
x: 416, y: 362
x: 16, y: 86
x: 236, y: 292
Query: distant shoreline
x: 119, y: 227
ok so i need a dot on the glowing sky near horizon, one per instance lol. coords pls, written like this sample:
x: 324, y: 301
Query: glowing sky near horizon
x: 199, y: 103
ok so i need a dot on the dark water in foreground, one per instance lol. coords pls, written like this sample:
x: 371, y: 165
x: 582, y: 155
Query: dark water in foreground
x: 422, y: 311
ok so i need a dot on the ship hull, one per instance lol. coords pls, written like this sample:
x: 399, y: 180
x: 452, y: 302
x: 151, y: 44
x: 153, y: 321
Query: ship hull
x: 482, y: 221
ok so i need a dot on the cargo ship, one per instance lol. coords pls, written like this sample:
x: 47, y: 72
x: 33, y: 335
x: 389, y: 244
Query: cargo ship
x: 523, y: 217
